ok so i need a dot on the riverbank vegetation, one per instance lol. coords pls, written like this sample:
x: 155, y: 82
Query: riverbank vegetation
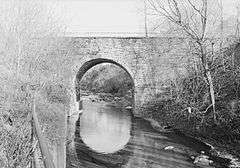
x: 204, y: 101
x: 186, y: 105
x: 108, y: 81
x: 29, y: 46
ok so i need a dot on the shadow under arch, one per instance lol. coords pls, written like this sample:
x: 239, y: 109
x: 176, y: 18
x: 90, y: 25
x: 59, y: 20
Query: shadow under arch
x: 88, y: 65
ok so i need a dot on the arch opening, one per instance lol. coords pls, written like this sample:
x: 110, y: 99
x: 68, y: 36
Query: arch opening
x: 105, y: 125
x: 88, y: 65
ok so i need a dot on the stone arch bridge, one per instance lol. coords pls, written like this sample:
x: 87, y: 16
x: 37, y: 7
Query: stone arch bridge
x: 150, y: 62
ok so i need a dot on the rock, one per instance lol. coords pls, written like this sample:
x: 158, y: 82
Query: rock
x: 128, y: 107
x: 203, y: 160
x: 169, y: 148
x: 117, y: 98
x: 156, y: 125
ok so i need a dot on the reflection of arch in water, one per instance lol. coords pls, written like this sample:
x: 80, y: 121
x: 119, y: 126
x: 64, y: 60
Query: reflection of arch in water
x: 85, y: 155
x: 88, y: 65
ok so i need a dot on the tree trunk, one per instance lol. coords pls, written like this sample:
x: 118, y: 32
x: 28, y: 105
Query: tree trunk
x: 212, y: 94
x: 18, y: 57
x: 209, y: 79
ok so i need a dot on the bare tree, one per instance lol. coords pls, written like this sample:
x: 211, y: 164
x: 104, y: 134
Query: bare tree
x: 193, y: 20
x: 29, y: 46
x: 238, y: 21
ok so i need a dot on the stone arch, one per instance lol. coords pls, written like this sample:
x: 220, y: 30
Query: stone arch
x: 88, y: 65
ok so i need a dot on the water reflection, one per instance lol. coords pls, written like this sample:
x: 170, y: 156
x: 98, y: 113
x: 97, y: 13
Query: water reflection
x: 105, y: 129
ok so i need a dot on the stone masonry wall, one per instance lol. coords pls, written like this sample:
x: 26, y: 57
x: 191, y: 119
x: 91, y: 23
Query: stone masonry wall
x: 149, y: 61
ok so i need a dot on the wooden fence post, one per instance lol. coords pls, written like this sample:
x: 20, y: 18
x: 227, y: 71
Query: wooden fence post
x: 47, y: 157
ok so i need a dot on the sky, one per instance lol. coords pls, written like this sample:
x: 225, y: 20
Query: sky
x: 102, y: 17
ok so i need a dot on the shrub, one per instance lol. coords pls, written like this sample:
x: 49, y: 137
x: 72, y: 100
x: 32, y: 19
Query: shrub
x: 107, y: 79
x: 56, y: 93
x: 16, y: 142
